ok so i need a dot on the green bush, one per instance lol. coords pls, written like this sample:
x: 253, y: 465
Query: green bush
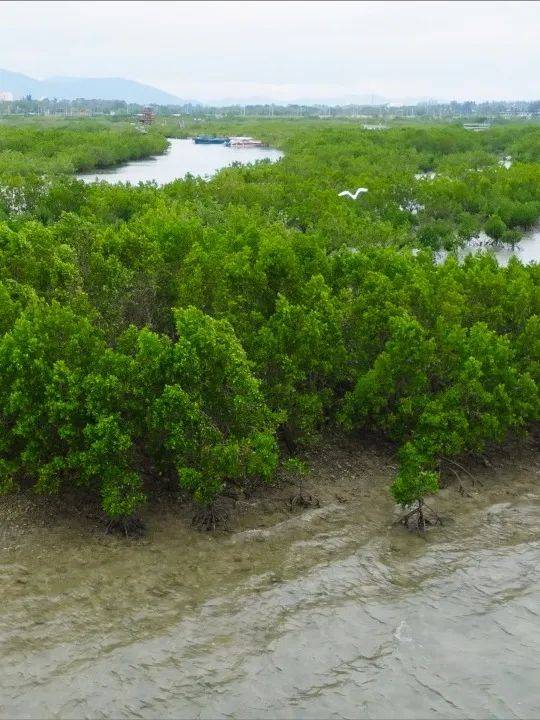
x: 495, y: 227
x: 167, y: 337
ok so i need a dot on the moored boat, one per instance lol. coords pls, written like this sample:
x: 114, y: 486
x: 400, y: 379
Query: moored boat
x: 245, y: 142
x: 210, y: 140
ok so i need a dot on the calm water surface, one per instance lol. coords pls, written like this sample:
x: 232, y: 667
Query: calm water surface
x: 527, y: 250
x: 183, y: 157
x: 329, y: 614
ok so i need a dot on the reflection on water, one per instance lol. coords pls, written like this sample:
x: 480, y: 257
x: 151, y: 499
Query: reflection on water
x: 427, y: 175
x: 527, y: 249
x: 329, y: 614
x: 183, y: 157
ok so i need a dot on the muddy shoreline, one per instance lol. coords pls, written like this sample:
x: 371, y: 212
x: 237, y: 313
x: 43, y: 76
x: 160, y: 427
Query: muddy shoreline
x: 341, y: 470
x: 319, y: 612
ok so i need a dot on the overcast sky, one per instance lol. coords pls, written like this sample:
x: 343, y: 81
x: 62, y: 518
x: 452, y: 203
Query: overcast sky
x: 284, y: 50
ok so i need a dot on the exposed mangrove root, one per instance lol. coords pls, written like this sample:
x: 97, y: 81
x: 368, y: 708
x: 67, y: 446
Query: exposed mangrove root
x: 288, y: 440
x: 463, y: 469
x: 210, y: 518
x: 131, y: 527
x: 461, y: 488
x: 418, y: 520
x: 304, y: 500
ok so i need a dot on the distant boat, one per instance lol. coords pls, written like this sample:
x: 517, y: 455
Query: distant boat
x: 211, y: 140
x: 245, y: 142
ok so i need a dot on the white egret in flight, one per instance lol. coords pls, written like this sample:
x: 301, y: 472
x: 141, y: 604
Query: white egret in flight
x: 346, y: 193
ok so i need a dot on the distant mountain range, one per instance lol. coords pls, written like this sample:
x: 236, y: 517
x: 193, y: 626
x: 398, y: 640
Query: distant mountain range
x: 71, y: 88
x: 112, y: 88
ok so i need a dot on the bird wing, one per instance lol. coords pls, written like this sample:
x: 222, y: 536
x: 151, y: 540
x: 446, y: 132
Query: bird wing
x: 346, y: 193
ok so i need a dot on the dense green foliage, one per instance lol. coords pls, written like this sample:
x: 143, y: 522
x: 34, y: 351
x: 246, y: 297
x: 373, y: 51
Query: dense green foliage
x: 171, y: 336
x: 67, y: 147
x: 470, y: 186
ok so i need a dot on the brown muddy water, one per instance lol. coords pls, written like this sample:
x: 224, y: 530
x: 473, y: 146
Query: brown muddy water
x: 330, y: 612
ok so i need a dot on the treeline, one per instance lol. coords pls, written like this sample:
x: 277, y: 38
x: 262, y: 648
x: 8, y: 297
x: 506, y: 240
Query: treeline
x: 498, y: 111
x: 195, y: 335
x: 53, y: 147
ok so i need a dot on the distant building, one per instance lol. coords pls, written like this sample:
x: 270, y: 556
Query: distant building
x: 477, y: 127
x: 6, y: 96
x: 147, y: 116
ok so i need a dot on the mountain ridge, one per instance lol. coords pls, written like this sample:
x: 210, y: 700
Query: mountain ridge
x: 65, y: 87
x: 71, y: 88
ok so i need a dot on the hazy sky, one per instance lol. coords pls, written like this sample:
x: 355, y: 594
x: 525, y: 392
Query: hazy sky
x: 284, y: 50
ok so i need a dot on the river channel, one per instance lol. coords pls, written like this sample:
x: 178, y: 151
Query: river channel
x: 184, y: 157
x: 333, y: 612
x: 181, y: 158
